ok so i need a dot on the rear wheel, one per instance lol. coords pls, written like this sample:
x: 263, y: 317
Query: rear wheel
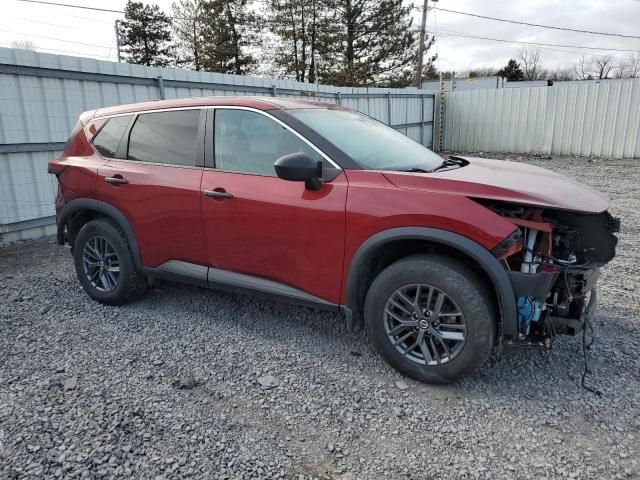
x: 430, y: 318
x: 104, y: 263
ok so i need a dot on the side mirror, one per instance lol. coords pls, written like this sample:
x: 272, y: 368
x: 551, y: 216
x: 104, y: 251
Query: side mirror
x: 299, y: 167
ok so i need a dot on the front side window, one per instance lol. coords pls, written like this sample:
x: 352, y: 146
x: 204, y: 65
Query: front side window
x: 369, y: 143
x: 250, y: 142
x: 165, y: 137
x: 108, y: 138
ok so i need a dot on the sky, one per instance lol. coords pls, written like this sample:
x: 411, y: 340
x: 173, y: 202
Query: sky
x: 71, y: 31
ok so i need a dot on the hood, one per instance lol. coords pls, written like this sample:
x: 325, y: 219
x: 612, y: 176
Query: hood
x: 507, y: 181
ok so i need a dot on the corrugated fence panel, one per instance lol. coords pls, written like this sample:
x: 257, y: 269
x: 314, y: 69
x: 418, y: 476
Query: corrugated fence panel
x: 577, y: 118
x: 26, y: 189
x: 41, y: 96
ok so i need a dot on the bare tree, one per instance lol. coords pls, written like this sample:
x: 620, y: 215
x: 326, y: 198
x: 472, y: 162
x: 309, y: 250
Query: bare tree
x: 628, y: 67
x: 583, y: 68
x: 603, y: 65
x: 559, y: 74
x: 531, y: 61
x: 634, y: 65
x: 24, y: 45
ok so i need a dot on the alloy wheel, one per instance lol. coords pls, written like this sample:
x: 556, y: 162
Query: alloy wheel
x: 424, y: 324
x: 101, y: 264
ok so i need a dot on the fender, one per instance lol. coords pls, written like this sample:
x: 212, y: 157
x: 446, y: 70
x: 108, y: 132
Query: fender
x: 109, y: 210
x: 482, y: 256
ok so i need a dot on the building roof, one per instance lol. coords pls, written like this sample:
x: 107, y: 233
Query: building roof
x: 259, y: 103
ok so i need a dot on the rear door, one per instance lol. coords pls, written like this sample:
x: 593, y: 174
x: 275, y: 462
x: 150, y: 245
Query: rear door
x: 153, y: 177
x: 259, y: 225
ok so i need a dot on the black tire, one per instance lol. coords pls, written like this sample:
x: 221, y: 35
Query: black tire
x: 130, y: 284
x: 465, y: 291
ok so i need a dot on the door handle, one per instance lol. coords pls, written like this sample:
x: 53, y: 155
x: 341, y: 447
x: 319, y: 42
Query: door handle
x: 218, y: 193
x: 116, y: 180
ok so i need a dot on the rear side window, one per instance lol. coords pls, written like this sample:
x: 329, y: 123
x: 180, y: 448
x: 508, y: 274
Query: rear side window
x: 108, y: 138
x: 165, y: 137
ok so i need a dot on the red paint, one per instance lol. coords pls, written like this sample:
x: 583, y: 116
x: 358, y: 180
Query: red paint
x: 278, y: 230
x: 162, y: 204
x: 508, y: 181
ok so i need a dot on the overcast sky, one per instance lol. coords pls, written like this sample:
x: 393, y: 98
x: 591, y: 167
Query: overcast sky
x: 91, y: 33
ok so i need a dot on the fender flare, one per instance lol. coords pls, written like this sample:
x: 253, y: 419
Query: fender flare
x: 108, y: 210
x: 491, y: 266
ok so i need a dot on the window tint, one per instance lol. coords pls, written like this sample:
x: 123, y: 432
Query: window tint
x: 108, y: 138
x: 165, y: 137
x: 251, y: 142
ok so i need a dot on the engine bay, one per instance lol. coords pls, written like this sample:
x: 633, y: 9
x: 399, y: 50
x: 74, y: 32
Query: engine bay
x: 553, y: 261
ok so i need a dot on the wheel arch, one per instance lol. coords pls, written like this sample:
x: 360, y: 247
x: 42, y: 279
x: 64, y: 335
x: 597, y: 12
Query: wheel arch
x: 383, y: 248
x: 83, y: 210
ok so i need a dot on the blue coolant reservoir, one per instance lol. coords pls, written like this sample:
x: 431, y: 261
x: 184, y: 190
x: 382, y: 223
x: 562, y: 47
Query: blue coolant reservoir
x: 529, y: 310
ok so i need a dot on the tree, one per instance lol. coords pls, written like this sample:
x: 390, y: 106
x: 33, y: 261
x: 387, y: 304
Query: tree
x: 226, y: 36
x: 511, y: 71
x: 370, y: 41
x: 23, y: 45
x: 189, y: 26
x: 629, y: 67
x: 559, y: 74
x: 406, y: 77
x: 603, y: 65
x: 583, y: 68
x: 146, y: 35
x: 531, y: 61
x: 303, y: 30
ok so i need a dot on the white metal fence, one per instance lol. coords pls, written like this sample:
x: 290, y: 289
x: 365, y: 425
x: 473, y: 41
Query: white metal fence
x: 41, y: 96
x: 584, y: 119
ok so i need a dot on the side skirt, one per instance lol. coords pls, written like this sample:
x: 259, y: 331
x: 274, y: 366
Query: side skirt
x: 201, y: 276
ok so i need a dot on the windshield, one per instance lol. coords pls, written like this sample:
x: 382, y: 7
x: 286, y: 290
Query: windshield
x: 371, y: 144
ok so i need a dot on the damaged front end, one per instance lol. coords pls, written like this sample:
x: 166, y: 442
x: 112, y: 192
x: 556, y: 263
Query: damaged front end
x: 553, y: 261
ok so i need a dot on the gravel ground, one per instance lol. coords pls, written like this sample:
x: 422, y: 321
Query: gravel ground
x: 190, y: 382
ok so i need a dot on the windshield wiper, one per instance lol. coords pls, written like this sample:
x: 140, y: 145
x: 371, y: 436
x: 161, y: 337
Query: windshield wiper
x: 450, y: 162
x: 415, y: 170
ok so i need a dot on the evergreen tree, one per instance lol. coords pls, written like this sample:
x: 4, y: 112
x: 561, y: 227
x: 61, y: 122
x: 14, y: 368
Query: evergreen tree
x: 511, y: 71
x: 189, y: 26
x: 146, y: 35
x: 406, y: 76
x: 303, y: 30
x: 229, y: 29
x: 370, y: 39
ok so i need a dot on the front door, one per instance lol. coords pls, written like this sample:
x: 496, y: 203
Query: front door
x: 259, y: 225
x: 155, y: 183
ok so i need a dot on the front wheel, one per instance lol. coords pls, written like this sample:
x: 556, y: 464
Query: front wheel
x: 104, y: 263
x: 431, y: 318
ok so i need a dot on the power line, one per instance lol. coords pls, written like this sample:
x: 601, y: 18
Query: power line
x: 267, y: 21
x: 458, y: 34
x: 55, y: 39
x: 566, y: 29
x: 436, y: 8
x: 82, y: 54
x: 73, y: 6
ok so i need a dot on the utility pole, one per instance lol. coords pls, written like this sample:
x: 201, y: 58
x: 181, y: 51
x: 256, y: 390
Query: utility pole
x: 423, y: 27
x: 117, y: 27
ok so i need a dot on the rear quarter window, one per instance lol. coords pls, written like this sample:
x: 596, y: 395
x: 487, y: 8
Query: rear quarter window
x: 108, y: 138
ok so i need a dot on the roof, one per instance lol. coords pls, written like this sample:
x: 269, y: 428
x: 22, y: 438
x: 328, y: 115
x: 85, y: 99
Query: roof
x: 259, y: 103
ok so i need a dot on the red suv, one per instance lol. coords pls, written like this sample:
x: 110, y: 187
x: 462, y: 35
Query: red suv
x: 443, y: 259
